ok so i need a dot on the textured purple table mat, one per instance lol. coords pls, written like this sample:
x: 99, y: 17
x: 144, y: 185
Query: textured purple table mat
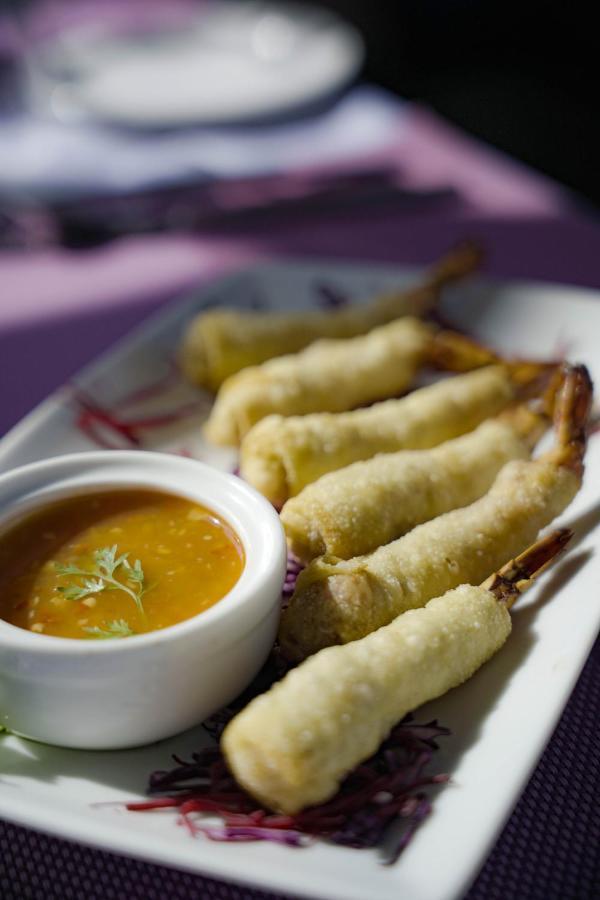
x: 59, y: 309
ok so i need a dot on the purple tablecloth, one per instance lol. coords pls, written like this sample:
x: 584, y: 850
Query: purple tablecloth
x: 58, y: 308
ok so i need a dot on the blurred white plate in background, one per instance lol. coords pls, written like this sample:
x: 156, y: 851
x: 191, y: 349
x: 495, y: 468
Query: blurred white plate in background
x: 233, y: 61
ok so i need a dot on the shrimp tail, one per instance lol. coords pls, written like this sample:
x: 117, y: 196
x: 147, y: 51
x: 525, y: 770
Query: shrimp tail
x: 532, y: 378
x: 544, y: 383
x: 549, y: 391
x: 528, y: 423
x: 455, y: 352
x: 571, y: 418
x: 515, y: 577
x: 463, y: 259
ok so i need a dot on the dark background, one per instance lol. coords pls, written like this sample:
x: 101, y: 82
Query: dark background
x: 523, y: 76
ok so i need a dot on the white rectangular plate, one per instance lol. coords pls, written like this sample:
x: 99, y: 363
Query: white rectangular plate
x: 501, y: 719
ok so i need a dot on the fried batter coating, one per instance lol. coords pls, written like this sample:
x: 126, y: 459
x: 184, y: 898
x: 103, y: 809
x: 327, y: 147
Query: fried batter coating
x: 363, y: 506
x: 291, y: 747
x: 220, y: 342
x: 340, y: 601
x: 281, y: 456
x: 330, y: 375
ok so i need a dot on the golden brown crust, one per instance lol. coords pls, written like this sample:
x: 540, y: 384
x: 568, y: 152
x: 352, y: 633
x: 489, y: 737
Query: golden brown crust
x: 280, y: 456
x: 459, y: 547
x: 220, y: 342
x: 292, y: 746
x: 329, y: 376
x: 363, y: 506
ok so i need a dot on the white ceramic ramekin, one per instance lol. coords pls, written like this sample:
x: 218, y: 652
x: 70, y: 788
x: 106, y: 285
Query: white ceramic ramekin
x: 123, y: 693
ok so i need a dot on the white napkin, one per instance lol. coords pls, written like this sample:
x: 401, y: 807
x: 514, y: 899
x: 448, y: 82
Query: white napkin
x: 43, y: 159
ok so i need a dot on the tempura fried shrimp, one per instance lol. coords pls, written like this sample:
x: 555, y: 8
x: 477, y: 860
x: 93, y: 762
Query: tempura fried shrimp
x: 280, y: 456
x: 291, y: 747
x: 367, y: 504
x: 220, y: 342
x: 330, y: 375
x: 340, y: 601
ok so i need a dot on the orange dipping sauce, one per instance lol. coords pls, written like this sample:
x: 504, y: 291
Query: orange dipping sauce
x: 108, y: 565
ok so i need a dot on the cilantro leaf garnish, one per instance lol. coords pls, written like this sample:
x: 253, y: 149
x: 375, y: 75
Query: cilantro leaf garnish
x: 117, y: 628
x: 103, y: 576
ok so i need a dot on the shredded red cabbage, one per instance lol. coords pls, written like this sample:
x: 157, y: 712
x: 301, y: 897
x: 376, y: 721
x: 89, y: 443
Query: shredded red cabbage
x: 380, y: 804
x: 110, y: 430
x: 120, y: 426
x: 294, y: 567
